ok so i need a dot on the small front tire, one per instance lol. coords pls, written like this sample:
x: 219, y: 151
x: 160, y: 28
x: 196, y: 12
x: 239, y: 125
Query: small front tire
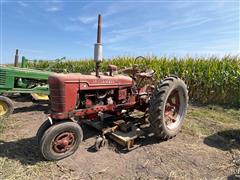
x: 61, y: 140
x: 42, y: 129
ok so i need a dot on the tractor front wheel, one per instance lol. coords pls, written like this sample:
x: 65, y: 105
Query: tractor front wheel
x: 168, y: 106
x: 42, y: 129
x: 6, y: 107
x: 61, y: 140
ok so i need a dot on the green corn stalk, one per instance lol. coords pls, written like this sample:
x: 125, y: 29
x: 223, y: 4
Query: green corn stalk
x: 210, y: 80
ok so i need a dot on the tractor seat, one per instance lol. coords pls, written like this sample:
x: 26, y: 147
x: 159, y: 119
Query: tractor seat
x: 148, y: 74
x: 112, y: 67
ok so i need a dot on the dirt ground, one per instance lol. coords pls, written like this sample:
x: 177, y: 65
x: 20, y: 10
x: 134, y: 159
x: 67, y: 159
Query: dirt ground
x: 187, y: 156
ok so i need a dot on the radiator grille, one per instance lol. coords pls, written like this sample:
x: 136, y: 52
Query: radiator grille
x: 57, y: 98
x: 3, y: 77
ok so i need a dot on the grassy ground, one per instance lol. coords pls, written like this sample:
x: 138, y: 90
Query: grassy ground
x: 19, y: 157
x: 203, y: 121
x: 219, y: 127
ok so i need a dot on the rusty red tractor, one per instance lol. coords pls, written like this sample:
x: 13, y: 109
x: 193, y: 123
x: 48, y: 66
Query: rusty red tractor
x: 109, y: 102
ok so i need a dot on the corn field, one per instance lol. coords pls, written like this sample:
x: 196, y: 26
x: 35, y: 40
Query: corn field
x: 210, y: 80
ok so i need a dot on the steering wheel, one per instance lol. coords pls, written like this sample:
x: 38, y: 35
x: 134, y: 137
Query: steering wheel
x: 147, y: 74
x: 135, y: 69
x: 139, y: 58
x: 151, y: 72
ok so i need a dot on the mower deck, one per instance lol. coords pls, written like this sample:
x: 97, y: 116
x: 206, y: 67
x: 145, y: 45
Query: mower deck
x: 121, y: 131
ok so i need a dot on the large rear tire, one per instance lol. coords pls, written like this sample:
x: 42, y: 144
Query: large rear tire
x: 61, y: 140
x: 168, y: 107
x: 6, y: 107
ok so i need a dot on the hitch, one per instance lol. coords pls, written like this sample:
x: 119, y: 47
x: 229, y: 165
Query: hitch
x: 122, y: 132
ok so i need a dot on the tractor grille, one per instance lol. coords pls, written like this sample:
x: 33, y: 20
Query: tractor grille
x: 57, y: 98
x: 3, y: 77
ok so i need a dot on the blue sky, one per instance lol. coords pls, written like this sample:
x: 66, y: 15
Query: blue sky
x: 53, y: 29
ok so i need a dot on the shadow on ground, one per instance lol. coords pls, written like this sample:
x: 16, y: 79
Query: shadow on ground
x: 224, y: 140
x: 35, y: 107
x: 234, y: 177
x: 41, y: 105
x: 144, y: 140
x: 25, y: 150
x: 20, y: 98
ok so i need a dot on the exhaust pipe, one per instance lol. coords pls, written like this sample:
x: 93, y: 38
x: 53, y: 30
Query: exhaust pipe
x: 16, y: 58
x: 98, y: 46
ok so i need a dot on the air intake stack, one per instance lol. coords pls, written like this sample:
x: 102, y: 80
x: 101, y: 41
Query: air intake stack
x: 16, y: 59
x: 98, y: 46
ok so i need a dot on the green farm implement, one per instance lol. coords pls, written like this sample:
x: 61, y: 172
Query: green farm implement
x: 21, y: 80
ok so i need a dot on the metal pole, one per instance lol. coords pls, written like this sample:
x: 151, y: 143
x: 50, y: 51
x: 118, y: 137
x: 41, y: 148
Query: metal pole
x: 99, y: 30
x: 16, y: 58
x: 98, y: 53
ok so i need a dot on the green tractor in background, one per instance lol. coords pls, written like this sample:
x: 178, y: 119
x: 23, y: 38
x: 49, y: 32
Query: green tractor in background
x: 21, y: 80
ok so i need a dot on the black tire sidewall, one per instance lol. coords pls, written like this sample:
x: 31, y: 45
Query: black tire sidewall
x: 42, y: 129
x: 52, y: 132
x: 157, y: 106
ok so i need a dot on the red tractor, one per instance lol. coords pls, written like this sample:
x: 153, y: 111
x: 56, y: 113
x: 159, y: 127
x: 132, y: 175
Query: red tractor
x: 107, y: 102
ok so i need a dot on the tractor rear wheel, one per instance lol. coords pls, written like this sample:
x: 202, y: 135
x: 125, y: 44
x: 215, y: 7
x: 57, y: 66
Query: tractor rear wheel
x: 168, y: 106
x: 61, y: 140
x: 6, y: 107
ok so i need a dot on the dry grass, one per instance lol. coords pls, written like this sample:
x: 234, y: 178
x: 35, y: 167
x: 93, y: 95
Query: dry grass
x: 20, y: 158
x: 220, y: 128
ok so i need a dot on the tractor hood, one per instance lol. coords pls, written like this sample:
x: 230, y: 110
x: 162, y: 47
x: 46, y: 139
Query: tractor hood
x: 90, y: 80
x: 25, y: 72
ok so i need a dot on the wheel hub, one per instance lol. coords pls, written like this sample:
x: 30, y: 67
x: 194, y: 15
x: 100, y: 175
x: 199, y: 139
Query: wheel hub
x: 3, y: 108
x: 172, y: 109
x: 63, y: 142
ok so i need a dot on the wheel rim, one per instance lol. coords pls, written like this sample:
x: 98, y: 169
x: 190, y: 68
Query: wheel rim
x: 64, y: 142
x: 3, y: 108
x: 174, y: 109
